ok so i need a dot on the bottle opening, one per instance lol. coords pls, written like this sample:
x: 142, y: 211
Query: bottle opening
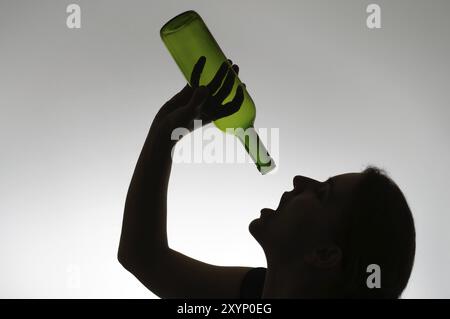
x: 179, y: 22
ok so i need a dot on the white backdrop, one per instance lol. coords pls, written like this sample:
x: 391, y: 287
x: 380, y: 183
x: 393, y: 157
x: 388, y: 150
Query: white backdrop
x: 75, y: 107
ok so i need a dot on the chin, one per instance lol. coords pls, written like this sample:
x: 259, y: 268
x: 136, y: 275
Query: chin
x: 255, y: 229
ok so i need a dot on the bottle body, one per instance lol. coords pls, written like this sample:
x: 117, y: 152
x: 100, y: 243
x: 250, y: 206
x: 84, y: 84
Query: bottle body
x: 187, y: 38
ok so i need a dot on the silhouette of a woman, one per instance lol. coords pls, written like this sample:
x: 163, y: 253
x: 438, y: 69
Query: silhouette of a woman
x: 318, y: 242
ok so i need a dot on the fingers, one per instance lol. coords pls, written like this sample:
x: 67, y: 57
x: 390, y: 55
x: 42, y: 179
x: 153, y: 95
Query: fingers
x: 222, y: 84
x: 235, y: 68
x: 218, y: 78
x: 234, y: 105
x: 227, y: 85
x: 197, y: 71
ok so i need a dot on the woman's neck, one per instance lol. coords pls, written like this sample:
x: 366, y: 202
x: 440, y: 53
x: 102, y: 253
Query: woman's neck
x: 280, y: 282
x: 298, y: 281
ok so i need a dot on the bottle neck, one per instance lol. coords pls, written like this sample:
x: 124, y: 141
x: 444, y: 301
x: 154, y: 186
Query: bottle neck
x: 256, y: 149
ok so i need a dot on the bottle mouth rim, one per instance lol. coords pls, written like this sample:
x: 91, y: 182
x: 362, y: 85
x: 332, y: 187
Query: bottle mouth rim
x: 178, y: 22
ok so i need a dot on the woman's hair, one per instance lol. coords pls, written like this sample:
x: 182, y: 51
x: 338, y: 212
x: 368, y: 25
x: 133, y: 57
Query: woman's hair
x: 381, y: 231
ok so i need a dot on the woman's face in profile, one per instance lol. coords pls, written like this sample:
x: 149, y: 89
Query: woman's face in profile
x: 307, y: 216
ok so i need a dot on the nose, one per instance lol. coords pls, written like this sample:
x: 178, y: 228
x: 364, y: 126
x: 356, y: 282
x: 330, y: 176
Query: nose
x: 302, y: 183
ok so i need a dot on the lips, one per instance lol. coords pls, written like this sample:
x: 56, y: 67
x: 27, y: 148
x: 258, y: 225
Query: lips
x: 267, y: 212
x: 284, y: 199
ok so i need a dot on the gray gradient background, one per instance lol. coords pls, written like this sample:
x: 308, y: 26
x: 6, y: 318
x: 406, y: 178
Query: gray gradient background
x: 75, y: 107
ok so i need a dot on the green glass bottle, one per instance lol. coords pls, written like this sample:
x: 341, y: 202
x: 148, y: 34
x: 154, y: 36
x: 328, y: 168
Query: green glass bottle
x: 187, y: 38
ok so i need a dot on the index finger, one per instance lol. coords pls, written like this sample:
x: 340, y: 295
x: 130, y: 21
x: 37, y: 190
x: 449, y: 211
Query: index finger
x: 197, y: 71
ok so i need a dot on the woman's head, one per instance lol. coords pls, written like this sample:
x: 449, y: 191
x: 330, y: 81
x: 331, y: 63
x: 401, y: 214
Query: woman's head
x: 341, y: 226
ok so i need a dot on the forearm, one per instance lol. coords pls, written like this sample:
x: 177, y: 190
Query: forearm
x: 144, y: 228
x: 144, y: 249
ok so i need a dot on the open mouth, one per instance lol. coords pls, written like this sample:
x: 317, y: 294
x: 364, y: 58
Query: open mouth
x: 284, y: 199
